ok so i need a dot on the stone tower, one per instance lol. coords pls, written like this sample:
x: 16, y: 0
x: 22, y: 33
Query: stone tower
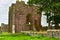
x: 24, y: 17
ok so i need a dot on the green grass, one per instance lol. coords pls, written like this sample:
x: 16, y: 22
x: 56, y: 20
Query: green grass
x: 22, y: 36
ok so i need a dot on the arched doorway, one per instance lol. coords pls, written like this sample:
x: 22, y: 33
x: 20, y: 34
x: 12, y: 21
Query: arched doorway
x: 28, y: 22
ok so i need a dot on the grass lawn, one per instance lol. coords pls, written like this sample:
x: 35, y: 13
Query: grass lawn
x: 22, y: 36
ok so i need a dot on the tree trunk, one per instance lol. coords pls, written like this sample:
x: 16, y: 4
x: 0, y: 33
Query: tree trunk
x: 48, y: 25
x: 56, y: 26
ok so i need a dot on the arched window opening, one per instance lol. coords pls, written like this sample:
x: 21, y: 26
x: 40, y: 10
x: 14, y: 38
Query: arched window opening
x: 28, y: 19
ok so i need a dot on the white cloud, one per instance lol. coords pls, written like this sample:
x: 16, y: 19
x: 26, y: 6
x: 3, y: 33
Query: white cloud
x: 4, y: 7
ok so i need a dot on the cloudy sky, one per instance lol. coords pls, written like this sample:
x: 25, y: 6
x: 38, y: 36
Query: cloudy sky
x: 4, y: 8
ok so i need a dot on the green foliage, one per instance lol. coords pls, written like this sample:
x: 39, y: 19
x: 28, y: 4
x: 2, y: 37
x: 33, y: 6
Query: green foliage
x: 55, y: 19
x: 44, y: 4
x: 49, y: 6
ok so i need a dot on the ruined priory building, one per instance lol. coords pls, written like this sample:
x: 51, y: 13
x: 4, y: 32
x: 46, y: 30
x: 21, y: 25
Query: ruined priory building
x: 24, y: 17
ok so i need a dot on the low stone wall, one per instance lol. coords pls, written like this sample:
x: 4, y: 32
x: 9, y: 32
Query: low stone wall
x: 53, y: 33
x: 32, y: 33
x: 50, y: 33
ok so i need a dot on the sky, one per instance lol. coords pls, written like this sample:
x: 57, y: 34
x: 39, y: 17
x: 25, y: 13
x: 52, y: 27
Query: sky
x: 4, y: 10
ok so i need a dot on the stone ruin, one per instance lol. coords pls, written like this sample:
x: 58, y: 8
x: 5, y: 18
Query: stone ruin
x: 24, y: 17
x: 4, y: 28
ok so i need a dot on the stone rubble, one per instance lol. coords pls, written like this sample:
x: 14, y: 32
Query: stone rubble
x: 50, y: 33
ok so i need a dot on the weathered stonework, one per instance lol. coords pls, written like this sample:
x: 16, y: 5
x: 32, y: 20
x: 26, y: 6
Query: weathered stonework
x: 4, y: 27
x: 49, y: 33
x: 52, y: 33
x: 18, y: 16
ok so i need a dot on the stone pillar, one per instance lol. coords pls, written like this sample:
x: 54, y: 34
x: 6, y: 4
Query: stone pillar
x: 13, y: 29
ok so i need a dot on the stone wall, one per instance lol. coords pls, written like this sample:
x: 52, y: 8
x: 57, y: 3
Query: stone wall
x: 4, y: 27
x: 49, y: 33
x: 18, y: 18
x: 53, y: 33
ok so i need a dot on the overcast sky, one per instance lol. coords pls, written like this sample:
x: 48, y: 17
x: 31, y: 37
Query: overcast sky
x: 4, y: 8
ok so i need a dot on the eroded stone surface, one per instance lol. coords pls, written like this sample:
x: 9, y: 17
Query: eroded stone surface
x: 53, y: 33
x: 17, y: 17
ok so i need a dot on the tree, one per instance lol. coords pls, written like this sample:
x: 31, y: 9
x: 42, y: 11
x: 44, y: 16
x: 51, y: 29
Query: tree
x: 56, y: 16
x: 49, y: 6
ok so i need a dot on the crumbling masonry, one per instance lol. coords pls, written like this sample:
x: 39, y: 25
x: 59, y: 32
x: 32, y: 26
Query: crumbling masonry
x: 24, y: 17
